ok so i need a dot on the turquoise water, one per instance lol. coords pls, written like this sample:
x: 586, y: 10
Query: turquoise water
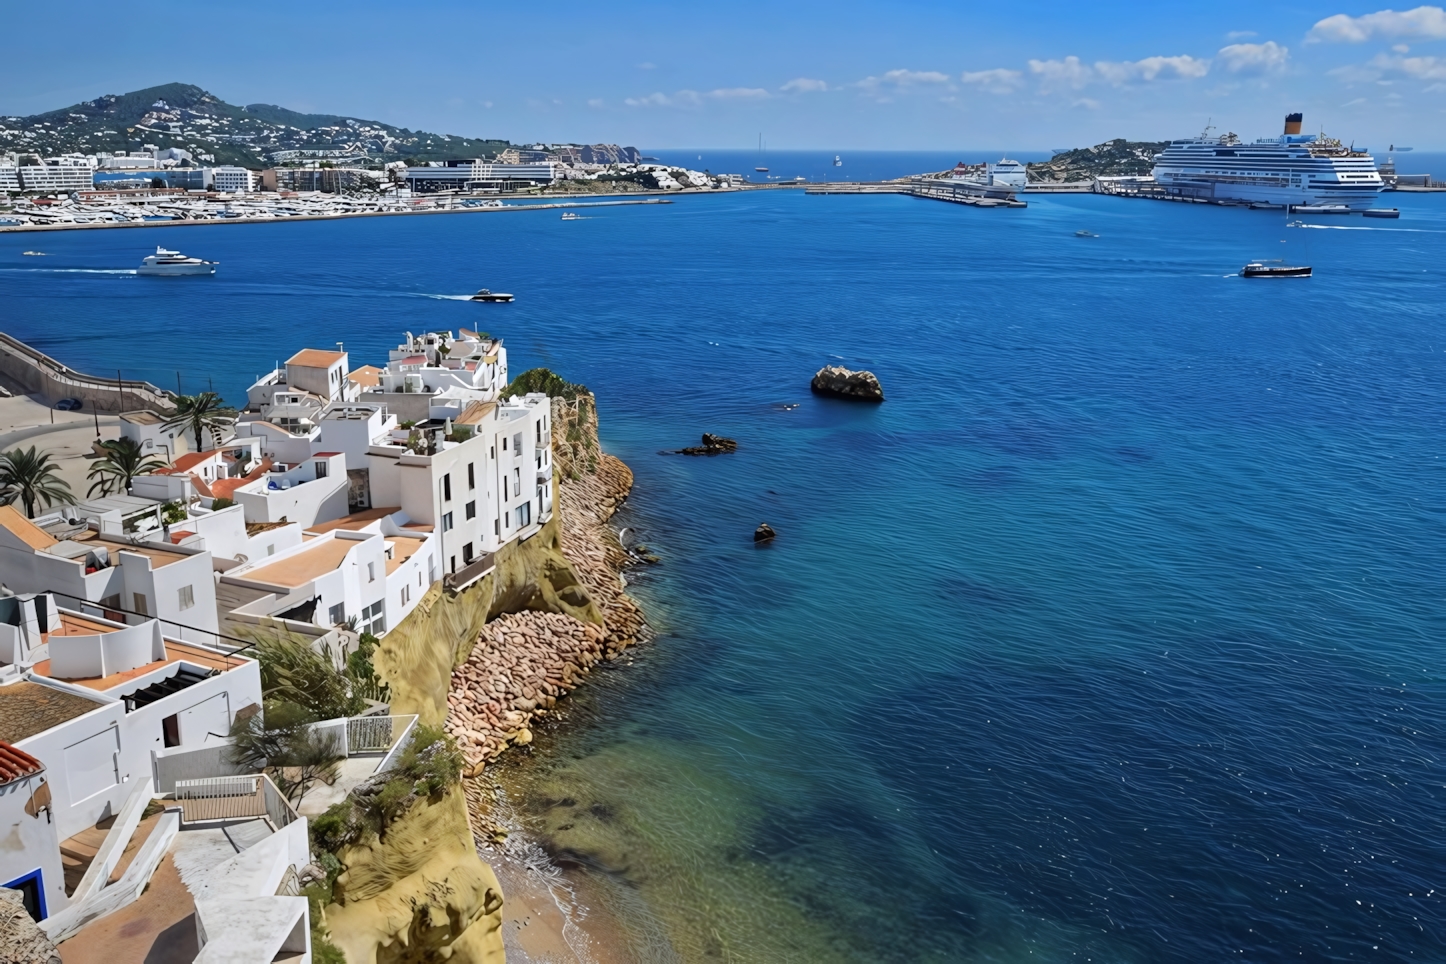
x: 1113, y: 635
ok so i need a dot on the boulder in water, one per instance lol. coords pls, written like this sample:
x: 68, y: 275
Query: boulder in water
x: 712, y: 445
x: 842, y: 383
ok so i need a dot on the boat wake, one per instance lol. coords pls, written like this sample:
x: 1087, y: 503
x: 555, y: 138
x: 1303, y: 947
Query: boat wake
x: 450, y: 297
x: 71, y: 270
x: 1347, y: 227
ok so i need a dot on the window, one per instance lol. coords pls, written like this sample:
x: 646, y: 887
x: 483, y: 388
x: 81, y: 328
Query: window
x: 447, y: 487
x: 371, y: 572
x: 492, y: 452
x: 471, y: 510
x: 496, y: 528
x: 453, y: 560
x: 406, y: 594
x: 271, y: 549
x: 338, y: 614
x: 431, y: 570
x: 507, y: 519
x: 138, y: 603
x: 447, y: 522
x: 524, y: 514
x: 321, y: 470
x: 171, y: 730
x: 538, y: 426
x: 186, y: 597
x: 471, y: 475
x: 504, y: 443
x: 467, y: 554
x: 517, y: 446
x: 516, y: 481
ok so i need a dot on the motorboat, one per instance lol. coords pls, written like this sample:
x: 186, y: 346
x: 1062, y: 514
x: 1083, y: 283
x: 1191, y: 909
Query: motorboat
x: 1085, y: 234
x: 1274, y: 269
x: 570, y: 216
x: 837, y: 161
x: 166, y: 263
x: 1320, y: 209
x: 1382, y: 213
x: 493, y: 296
x: 33, y: 254
x: 761, y: 170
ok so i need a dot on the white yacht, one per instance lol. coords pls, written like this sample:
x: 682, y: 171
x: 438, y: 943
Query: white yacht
x: 170, y: 263
x: 1292, y: 169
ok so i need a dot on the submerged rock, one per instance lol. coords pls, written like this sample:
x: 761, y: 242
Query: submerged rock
x: 840, y: 382
x: 712, y: 445
x: 764, y: 533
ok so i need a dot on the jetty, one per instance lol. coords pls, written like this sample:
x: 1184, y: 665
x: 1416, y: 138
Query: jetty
x: 937, y: 189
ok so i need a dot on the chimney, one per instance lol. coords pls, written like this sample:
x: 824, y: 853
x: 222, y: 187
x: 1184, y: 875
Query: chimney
x: 1292, y: 123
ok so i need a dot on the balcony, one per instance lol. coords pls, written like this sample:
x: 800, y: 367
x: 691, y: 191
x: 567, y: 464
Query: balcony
x: 462, y: 578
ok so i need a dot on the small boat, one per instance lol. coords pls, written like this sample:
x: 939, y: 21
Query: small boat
x: 1274, y: 269
x: 34, y: 254
x: 485, y: 295
x: 569, y: 216
x: 165, y: 263
x: 1085, y: 234
x: 761, y: 170
x: 837, y: 161
x: 1382, y: 213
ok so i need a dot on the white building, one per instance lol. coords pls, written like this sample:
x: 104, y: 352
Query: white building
x: 437, y: 374
x: 9, y: 174
x: 71, y: 172
x: 480, y: 175
x: 233, y: 180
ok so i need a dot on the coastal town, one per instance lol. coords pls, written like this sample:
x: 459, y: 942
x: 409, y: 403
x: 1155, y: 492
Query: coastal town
x: 144, y: 620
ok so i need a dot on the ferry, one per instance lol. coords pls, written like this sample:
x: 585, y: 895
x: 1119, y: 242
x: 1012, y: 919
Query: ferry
x: 1294, y: 169
x: 168, y: 264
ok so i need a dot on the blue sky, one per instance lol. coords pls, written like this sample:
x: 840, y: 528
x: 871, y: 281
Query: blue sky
x: 848, y: 74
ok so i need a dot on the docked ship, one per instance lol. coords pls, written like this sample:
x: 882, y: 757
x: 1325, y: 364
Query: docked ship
x: 1292, y: 169
x: 170, y: 263
x: 997, y: 181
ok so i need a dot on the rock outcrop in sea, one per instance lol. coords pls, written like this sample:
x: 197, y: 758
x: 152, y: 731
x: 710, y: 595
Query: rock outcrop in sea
x: 712, y: 445
x: 841, y: 382
x: 764, y: 533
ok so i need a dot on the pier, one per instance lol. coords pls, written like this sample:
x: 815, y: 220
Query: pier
x: 937, y: 189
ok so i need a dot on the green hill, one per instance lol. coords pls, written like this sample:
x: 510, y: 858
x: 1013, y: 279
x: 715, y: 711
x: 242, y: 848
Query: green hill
x: 187, y: 117
x: 1114, y: 158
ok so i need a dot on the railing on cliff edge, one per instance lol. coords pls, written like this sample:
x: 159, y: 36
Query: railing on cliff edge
x: 145, y: 394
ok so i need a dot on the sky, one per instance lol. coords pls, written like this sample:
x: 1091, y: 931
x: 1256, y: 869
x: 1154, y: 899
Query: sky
x: 847, y: 74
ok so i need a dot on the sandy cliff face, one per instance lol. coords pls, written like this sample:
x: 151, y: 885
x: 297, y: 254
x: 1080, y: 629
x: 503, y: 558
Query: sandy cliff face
x: 420, y: 893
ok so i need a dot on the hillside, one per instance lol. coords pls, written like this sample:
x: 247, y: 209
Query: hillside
x: 1111, y: 159
x: 187, y: 117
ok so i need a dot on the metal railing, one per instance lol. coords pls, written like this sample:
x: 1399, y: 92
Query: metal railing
x: 233, y: 798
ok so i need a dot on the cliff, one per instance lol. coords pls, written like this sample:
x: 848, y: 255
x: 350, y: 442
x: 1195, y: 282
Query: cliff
x: 419, y: 892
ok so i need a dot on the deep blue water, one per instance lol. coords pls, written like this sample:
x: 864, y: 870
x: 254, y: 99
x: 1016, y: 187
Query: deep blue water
x: 1114, y: 634
x: 819, y: 166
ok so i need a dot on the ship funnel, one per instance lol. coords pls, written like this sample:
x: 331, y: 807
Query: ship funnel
x: 1292, y: 123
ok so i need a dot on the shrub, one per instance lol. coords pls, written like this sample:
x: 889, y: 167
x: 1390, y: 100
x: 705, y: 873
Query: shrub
x: 545, y: 381
x: 217, y: 504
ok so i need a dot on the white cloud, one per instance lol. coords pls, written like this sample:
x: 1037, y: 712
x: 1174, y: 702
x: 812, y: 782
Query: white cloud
x: 1382, y: 66
x: 683, y: 98
x: 1263, y: 58
x: 739, y: 93
x: 1352, y: 103
x: 595, y: 102
x: 804, y: 85
x: 1401, y: 49
x: 1068, y: 72
x: 1240, y: 35
x: 997, y: 81
x: 1426, y: 23
x: 1087, y: 103
x: 1152, y: 68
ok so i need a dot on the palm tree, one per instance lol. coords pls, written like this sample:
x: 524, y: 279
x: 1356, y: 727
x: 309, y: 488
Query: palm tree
x: 123, y: 461
x: 203, y: 414
x: 31, y: 477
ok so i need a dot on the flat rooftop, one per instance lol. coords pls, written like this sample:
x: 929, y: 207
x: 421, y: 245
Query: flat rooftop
x: 403, y: 548
x: 355, y: 522
x: 302, y: 567
x: 155, y: 551
x: 28, y: 708
x: 176, y: 652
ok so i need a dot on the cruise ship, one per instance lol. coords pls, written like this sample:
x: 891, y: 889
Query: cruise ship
x: 1292, y: 169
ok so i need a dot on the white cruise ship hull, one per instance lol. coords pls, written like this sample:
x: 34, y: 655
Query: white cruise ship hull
x: 1281, y: 171
x: 175, y: 270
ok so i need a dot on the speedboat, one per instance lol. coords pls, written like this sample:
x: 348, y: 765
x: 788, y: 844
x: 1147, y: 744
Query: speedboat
x: 1274, y: 269
x: 485, y: 295
x: 1382, y: 213
x: 570, y: 216
x: 34, y: 254
x: 167, y: 263
x: 1085, y: 234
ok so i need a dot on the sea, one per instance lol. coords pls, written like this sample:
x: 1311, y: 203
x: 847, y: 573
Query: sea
x: 1113, y: 634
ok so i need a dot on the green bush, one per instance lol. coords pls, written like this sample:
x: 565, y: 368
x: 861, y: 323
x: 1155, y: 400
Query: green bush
x: 222, y: 504
x: 545, y: 381
x: 173, y: 512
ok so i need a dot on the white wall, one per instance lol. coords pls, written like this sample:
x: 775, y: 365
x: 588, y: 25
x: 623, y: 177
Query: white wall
x: 124, y: 648
x: 29, y: 843
x: 89, y: 775
x: 162, y: 584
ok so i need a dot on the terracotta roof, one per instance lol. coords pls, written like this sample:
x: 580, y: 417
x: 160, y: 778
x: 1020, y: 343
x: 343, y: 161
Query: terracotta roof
x: 325, y: 455
x: 403, y: 548
x: 15, y: 764
x: 23, y: 529
x: 302, y: 567
x: 315, y: 358
x: 29, y: 708
x: 184, y: 462
x: 226, y: 488
x: 367, y: 375
x: 356, y: 521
